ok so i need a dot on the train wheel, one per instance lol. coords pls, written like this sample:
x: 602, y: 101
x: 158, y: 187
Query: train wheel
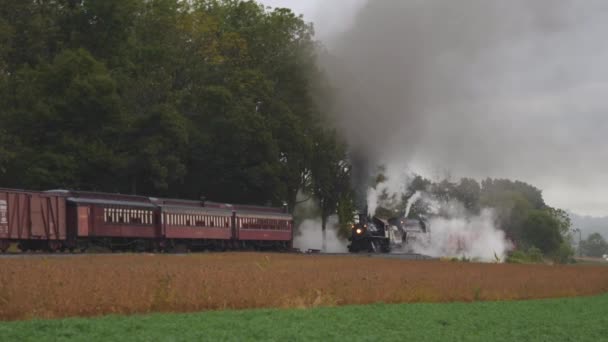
x: 4, y: 245
x: 54, y: 246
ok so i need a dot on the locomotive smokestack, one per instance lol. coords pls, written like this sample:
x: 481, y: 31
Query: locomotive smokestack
x: 363, y: 217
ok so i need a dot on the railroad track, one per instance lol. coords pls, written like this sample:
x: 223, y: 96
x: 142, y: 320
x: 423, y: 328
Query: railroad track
x: 401, y: 256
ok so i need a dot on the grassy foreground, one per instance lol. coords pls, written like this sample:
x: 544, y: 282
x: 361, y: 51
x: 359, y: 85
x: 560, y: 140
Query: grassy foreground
x: 572, y: 319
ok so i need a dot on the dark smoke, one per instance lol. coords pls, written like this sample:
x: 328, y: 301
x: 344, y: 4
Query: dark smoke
x: 474, y: 86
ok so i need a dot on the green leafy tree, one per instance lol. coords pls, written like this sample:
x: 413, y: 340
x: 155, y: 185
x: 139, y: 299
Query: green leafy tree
x: 69, y: 117
x: 331, y: 177
x: 222, y: 98
x: 468, y: 192
x: 594, y: 245
x: 158, y: 157
x: 541, y: 230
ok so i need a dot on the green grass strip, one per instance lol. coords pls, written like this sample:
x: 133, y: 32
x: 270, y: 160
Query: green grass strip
x: 572, y: 319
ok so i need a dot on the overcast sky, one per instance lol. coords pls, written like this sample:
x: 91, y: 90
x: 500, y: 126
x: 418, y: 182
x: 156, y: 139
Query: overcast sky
x: 329, y: 16
x: 515, y: 89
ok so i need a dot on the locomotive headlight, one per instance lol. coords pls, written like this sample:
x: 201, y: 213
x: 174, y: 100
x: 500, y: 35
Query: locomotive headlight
x: 359, y: 231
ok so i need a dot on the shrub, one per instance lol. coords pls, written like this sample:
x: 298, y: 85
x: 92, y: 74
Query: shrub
x: 535, y: 254
x: 564, y: 254
x: 532, y: 255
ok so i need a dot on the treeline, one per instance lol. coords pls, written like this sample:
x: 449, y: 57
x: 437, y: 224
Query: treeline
x: 219, y: 98
x: 595, y: 245
x: 520, y: 211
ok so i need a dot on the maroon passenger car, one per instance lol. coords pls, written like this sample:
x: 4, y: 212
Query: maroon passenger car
x: 196, y: 227
x: 61, y: 219
x: 263, y: 227
x: 113, y: 224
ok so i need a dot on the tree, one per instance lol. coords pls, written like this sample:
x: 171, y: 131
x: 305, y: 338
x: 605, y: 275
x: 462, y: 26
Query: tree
x: 346, y: 210
x: 541, y: 230
x: 331, y: 177
x: 595, y: 245
x: 180, y: 98
x: 158, y: 156
x: 70, y: 123
x: 6, y: 150
x: 468, y: 192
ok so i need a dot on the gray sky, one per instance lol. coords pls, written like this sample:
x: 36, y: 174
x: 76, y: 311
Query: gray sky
x: 329, y: 16
x: 515, y: 89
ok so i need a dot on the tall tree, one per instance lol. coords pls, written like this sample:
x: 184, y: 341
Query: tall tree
x: 69, y: 117
x: 594, y: 245
x: 180, y: 98
x: 541, y: 230
x: 331, y: 177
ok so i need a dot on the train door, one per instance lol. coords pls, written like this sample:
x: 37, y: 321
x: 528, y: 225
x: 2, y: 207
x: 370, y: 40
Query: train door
x: 83, y: 220
x: 159, y: 223
x: 18, y: 213
x: 3, y: 218
x: 36, y: 226
x: 234, y: 226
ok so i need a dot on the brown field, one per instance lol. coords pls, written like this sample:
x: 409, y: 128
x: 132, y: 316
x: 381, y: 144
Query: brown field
x: 51, y: 287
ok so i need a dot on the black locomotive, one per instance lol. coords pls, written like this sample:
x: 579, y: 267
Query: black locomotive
x: 370, y: 235
x: 376, y: 235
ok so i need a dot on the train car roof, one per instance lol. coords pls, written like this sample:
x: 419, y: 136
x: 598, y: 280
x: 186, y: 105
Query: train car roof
x: 80, y: 200
x: 176, y: 202
x: 244, y: 207
x: 262, y: 213
x: 91, y: 197
x: 191, y: 203
x: 211, y: 204
x: 19, y: 190
x: 99, y: 195
x: 185, y: 209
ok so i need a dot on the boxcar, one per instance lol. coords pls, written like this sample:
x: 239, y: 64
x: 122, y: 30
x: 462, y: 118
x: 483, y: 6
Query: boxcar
x: 34, y: 220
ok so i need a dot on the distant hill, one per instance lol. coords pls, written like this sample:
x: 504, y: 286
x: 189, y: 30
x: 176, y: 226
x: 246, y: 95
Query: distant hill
x: 590, y: 224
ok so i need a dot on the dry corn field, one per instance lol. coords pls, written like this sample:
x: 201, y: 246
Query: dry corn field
x: 52, y: 287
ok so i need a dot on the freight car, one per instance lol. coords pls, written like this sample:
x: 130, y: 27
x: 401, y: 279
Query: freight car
x: 61, y: 220
x: 32, y: 219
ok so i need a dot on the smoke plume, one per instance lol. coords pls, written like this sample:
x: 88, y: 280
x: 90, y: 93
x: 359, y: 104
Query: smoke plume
x: 462, y: 235
x: 453, y: 230
x: 389, y: 192
x: 310, y: 236
x: 480, y: 88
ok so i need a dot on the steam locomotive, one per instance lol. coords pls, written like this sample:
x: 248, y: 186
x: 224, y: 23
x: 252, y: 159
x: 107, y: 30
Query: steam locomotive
x: 377, y: 235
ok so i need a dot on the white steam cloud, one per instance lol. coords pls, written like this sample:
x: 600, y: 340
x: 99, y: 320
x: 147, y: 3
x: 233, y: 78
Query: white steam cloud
x: 389, y: 192
x: 470, y: 236
x: 310, y: 236
x: 453, y: 231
